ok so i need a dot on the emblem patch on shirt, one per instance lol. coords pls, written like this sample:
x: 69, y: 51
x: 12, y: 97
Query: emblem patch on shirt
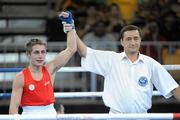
x: 143, y: 81
x: 46, y: 83
x: 31, y: 87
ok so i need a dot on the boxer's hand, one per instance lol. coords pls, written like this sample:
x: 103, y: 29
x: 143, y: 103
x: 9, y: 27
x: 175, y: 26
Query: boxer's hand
x: 66, y: 17
x: 67, y: 21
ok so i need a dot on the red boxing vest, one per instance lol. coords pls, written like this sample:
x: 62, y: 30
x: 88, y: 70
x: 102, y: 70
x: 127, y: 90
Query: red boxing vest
x: 37, y: 93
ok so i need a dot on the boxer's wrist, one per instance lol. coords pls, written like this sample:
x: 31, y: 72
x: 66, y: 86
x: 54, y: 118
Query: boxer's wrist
x: 68, y: 27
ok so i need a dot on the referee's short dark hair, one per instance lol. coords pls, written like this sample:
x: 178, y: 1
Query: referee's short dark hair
x: 129, y: 28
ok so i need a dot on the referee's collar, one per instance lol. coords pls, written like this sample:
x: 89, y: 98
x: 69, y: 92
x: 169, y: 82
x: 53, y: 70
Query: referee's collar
x: 140, y: 57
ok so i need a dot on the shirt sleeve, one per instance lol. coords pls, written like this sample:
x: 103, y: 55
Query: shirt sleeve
x: 97, y: 61
x: 162, y: 80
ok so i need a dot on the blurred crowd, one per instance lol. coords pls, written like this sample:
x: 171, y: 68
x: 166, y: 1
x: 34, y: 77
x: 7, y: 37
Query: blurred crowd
x: 102, y: 20
x: 159, y: 19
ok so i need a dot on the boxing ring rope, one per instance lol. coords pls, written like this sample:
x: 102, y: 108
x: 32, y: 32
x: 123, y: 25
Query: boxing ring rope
x: 76, y: 94
x: 63, y: 69
x: 80, y: 69
x: 103, y: 116
x: 79, y: 94
x: 87, y: 94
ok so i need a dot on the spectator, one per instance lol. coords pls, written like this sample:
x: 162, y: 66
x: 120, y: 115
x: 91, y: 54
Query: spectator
x: 116, y: 21
x: 100, y: 35
x: 59, y: 108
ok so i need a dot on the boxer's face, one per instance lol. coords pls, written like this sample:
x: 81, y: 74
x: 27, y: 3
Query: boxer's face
x: 37, y: 55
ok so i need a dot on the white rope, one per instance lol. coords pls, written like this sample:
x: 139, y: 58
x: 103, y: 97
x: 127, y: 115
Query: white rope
x: 103, y: 116
x: 80, y: 69
x: 77, y: 94
x: 87, y: 94
x: 72, y: 69
x: 116, y: 116
x: 172, y: 67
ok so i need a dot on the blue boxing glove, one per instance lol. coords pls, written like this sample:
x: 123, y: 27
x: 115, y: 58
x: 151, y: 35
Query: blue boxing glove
x: 68, y: 20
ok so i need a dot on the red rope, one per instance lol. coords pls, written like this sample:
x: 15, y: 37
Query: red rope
x: 176, y: 116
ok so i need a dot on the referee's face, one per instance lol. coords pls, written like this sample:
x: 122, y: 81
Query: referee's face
x: 131, y: 42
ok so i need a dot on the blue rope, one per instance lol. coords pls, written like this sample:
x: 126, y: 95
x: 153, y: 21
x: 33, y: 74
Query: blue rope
x: 5, y: 95
x: 10, y: 69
